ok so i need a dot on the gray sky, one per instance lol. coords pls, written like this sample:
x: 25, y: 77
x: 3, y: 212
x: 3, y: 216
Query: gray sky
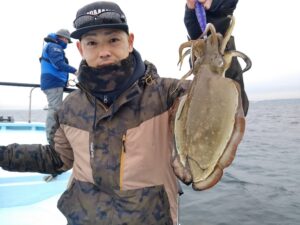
x: 265, y: 30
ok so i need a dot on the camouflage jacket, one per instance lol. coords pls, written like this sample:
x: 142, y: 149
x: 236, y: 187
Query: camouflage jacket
x: 120, y: 155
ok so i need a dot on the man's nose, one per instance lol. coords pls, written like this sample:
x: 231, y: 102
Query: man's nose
x: 104, y: 53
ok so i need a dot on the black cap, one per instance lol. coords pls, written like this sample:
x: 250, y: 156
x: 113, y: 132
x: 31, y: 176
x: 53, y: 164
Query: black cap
x: 97, y: 15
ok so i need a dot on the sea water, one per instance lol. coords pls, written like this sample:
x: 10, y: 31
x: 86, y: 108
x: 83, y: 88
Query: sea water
x: 261, y: 187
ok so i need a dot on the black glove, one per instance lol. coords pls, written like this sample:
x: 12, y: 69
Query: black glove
x: 2, y: 150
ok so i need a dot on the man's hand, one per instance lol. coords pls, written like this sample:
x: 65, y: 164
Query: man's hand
x: 191, y: 3
x: 76, y: 73
x: 71, y: 83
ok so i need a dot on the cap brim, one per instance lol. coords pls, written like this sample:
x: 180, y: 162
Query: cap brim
x: 69, y: 39
x: 81, y: 31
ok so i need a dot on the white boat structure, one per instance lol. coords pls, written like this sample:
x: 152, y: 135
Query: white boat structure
x: 26, y: 198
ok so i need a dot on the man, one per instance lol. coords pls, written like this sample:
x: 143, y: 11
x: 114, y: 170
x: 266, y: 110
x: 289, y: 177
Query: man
x: 55, y: 72
x: 217, y: 12
x: 113, y: 131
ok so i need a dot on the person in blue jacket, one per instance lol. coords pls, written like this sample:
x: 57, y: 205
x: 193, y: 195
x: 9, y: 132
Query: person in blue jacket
x: 217, y: 12
x: 55, y: 71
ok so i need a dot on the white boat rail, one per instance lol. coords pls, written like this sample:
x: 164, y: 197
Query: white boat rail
x: 33, y: 86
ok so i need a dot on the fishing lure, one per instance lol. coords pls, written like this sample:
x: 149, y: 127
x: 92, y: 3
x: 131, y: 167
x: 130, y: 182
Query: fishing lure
x: 201, y: 15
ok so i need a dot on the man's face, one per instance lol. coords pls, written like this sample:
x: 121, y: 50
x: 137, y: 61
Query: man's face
x: 65, y: 40
x: 105, y: 46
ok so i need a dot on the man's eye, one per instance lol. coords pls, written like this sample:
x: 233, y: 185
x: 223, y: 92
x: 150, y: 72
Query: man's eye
x: 113, y: 40
x: 91, y: 43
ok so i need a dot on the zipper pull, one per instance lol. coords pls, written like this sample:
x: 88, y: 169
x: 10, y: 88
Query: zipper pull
x: 123, y: 143
x: 105, y: 99
x: 92, y: 149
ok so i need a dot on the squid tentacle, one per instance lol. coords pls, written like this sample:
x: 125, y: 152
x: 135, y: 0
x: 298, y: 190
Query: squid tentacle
x: 227, y: 35
x: 234, y: 53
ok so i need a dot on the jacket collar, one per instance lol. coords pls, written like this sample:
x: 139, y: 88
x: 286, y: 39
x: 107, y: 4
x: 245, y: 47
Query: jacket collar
x: 136, y: 89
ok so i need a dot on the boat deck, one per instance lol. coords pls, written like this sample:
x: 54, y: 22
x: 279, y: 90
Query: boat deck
x: 25, y: 198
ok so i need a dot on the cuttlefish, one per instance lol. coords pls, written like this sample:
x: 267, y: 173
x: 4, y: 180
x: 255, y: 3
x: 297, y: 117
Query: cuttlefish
x: 209, y: 121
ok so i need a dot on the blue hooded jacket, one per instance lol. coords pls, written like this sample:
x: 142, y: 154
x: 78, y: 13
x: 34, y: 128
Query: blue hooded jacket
x: 54, y: 65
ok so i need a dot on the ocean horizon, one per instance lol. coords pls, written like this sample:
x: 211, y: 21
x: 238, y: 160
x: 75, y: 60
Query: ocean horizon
x: 39, y: 115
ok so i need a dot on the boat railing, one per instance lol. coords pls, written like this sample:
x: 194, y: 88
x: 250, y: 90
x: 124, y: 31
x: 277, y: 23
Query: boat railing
x: 33, y: 86
x: 21, y: 126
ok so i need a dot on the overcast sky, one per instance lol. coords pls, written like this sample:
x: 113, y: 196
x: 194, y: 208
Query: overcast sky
x: 267, y: 31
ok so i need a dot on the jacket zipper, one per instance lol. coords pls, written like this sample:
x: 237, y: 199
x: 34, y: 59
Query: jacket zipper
x: 92, y: 150
x: 122, y: 159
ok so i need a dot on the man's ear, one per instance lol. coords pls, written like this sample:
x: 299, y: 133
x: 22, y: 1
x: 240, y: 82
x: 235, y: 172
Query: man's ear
x: 130, y: 41
x: 78, y: 45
